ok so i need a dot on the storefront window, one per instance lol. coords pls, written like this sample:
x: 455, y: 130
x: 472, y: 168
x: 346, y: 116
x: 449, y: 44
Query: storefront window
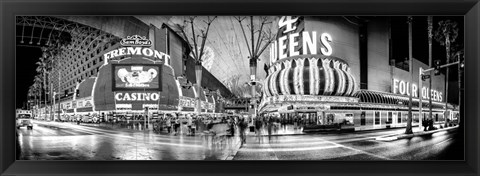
x: 399, y: 117
x: 330, y: 118
x: 389, y: 120
x: 349, y: 119
x: 362, y: 118
x: 313, y: 118
x: 377, y: 117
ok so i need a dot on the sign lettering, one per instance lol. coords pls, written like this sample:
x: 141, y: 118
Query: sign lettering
x: 291, y: 41
x: 403, y: 88
x: 135, y: 46
x: 137, y: 96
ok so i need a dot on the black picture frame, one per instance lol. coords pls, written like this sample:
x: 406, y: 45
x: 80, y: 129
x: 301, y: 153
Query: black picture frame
x: 468, y: 167
x: 159, y: 78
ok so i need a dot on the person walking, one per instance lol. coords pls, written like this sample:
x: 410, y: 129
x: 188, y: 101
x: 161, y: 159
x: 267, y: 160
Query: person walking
x: 176, y: 125
x: 231, y: 128
x: 169, y: 124
x: 269, y: 128
x: 243, y: 126
x: 189, y: 125
x: 258, y: 128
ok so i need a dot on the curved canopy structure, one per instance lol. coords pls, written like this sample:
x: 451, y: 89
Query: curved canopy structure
x: 42, y: 30
x: 368, y: 96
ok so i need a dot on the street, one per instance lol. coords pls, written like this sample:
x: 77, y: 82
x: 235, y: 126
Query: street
x: 348, y: 146
x: 68, y: 141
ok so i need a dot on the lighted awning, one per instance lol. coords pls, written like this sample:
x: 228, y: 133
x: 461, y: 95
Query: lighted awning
x: 368, y: 96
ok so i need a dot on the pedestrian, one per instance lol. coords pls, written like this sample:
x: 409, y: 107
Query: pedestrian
x: 169, y: 124
x: 269, y: 128
x: 258, y: 128
x: 177, y: 125
x: 78, y: 120
x: 424, y: 124
x: 194, y: 125
x: 189, y: 124
x: 242, y: 125
x: 231, y: 128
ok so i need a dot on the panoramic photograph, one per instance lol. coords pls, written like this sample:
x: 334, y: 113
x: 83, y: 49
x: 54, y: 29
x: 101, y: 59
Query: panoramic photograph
x: 352, y: 88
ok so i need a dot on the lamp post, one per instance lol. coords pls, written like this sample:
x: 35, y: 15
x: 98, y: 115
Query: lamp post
x: 59, y: 78
x: 53, y: 106
x: 460, y: 87
x: 430, y: 62
x: 51, y: 98
x: 198, y: 75
x: 253, y: 72
x: 420, y: 97
x: 410, y: 115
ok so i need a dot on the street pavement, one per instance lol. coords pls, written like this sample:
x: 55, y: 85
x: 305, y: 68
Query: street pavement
x: 67, y: 141
x: 353, y: 146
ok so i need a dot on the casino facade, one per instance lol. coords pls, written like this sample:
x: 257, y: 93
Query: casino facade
x: 338, y: 72
x: 147, y: 71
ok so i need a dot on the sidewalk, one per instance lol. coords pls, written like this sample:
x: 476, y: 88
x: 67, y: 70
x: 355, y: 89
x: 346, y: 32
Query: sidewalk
x: 277, y: 130
x: 393, y: 137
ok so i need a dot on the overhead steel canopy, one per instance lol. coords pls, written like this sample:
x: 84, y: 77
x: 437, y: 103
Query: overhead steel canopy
x: 39, y: 31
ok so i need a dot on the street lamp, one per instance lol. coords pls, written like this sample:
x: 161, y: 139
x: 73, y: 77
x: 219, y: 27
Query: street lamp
x: 253, y: 83
x: 198, y: 74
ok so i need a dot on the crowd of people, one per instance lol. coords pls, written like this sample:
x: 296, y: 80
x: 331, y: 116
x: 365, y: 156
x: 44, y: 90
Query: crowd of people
x: 192, y: 124
x: 189, y: 124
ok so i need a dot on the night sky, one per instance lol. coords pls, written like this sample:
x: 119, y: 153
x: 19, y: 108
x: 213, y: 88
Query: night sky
x: 420, y: 37
x: 27, y: 54
x: 26, y: 57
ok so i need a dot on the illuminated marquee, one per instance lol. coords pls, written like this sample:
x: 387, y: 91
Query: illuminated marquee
x: 133, y: 76
x: 309, y: 98
x: 187, y: 102
x: 191, y: 103
x: 291, y: 41
x: 403, y: 88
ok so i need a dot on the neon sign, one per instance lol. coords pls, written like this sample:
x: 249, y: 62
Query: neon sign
x: 136, y: 45
x: 403, y: 88
x: 136, y: 40
x: 129, y: 76
x: 290, y: 41
x: 130, y: 51
x: 137, y: 96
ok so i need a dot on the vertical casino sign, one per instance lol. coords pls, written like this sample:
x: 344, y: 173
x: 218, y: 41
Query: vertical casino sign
x: 136, y: 74
x: 293, y: 40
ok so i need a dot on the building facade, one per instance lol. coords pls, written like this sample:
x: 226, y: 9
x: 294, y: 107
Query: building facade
x: 337, y: 71
x: 104, y: 77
